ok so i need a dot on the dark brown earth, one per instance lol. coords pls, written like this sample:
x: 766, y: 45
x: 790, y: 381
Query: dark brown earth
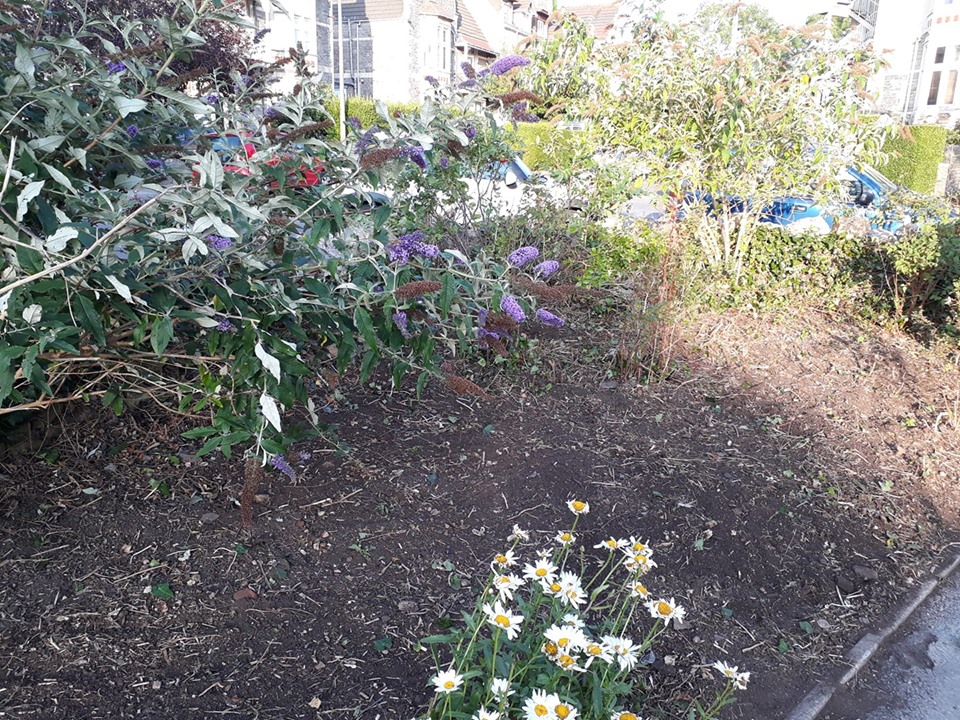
x: 796, y: 479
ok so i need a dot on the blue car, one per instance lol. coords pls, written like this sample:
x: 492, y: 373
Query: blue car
x: 867, y: 192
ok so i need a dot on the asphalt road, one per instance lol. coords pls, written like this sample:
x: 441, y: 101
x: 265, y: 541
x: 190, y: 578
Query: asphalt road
x: 916, y: 675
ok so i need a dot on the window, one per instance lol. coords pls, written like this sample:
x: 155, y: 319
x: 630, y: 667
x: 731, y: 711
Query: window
x: 956, y: 53
x: 934, y: 88
x: 443, y: 46
x: 951, y: 88
x: 941, y: 51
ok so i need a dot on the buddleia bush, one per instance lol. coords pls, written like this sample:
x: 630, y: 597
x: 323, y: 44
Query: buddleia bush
x: 195, y: 239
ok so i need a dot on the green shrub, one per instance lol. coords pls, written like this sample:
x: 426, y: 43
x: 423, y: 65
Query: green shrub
x: 914, y: 158
x: 547, y: 147
x: 364, y: 110
x: 617, y: 255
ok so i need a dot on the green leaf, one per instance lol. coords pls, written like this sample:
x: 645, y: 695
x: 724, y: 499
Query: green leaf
x: 161, y: 334
x: 29, y: 192
x: 383, y: 644
x: 192, y: 104
x: 783, y: 647
x: 447, y: 293
x: 90, y: 319
x: 370, y: 360
x: 197, y: 433
x: 365, y: 325
x: 437, y: 639
x: 806, y: 627
x: 422, y: 383
x: 23, y: 63
x: 48, y: 143
x: 125, y: 105
x: 209, y: 446
x: 162, y: 591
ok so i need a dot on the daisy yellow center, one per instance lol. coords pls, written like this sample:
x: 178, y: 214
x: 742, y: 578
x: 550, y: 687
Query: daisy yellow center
x: 541, y: 572
x: 550, y: 648
x: 449, y: 685
x: 612, y: 543
x: 627, y: 716
x: 541, y: 710
x: 640, y: 559
x: 639, y: 547
x: 562, y: 711
x: 572, y: 593
x: 594, y: 649
x: 566, y: 661
x: 578, y: 505
x: 729, y: 673
x: 562, y: 642
x: 502, y: 621
x: 566, y: 537
x: 502, y: 559
x: 664, y: 608
x: 556, y: 587
x: 505, y: 580
x: 640, y: 589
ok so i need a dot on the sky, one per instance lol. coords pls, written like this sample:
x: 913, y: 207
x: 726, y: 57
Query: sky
x: 788, y: 12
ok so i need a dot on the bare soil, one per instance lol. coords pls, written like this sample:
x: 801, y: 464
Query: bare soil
x: 796, y: 478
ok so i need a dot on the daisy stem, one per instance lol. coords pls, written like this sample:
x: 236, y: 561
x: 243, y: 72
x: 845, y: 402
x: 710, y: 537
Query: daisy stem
x: 493, y: 657
x: 566, y: 548
x: 602, y: 568
x: 651, y: 636
x: 720, y: 702
x: 604, y: 582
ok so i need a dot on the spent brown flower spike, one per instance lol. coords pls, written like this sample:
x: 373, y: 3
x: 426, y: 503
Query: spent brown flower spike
x: 417, y: 288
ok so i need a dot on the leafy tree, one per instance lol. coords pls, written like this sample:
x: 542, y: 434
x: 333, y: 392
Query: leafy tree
x: 719, y: 21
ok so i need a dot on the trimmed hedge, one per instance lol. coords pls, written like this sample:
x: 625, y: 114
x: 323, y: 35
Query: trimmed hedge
x: 545, y: 146
x: 914, y: 157
x: 365, y: 110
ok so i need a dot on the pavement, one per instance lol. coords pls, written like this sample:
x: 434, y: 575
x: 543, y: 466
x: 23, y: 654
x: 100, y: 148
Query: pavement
x: 914, y: 673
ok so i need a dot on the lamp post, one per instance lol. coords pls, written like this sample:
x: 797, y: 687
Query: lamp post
x: 343, y: 96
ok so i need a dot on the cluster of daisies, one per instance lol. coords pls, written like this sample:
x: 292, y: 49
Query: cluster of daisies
x: 564, y: 640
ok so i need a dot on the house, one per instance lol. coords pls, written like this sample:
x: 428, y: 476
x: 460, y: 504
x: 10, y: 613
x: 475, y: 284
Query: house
x: 391, y: 47
x: 278, y: 32
x: 601, y: 19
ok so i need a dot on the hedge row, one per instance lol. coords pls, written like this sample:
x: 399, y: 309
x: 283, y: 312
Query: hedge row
x: 915, y: 157
x: 364, y: 110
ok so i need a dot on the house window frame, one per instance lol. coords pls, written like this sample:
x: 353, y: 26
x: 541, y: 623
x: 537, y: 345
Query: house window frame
x: 934, y: 92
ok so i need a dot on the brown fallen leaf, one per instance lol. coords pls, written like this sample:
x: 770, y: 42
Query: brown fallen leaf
x: 244, y: 594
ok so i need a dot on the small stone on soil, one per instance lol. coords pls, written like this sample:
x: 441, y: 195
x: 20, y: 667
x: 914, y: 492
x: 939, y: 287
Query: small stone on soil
x: 867, y: 573
x: 845, y: 584
x: 209, y: 517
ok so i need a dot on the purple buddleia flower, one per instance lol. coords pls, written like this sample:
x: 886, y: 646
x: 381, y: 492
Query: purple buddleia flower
x: 483, y: 73
x: 260, y: 34
x: 415, y: 153
x: 546, y: 268
x: 548, y: 318
x: 218, y: 242
x: 271, y: 113
x: 433, y: 81
x: 519, y: 114
x: 280, y: 463
x: 522, y: 255
x: 468, y: 70
x: 409, y: 245
x: 482, y: 316
x: 470, y: 131
x: 509, y: 305
x: 116, y: 67
x: 133, y: 131
x: 121, y: 252
x: 225, y: 326
x: 154, y: 163
x: 444, y: 162
x: 484, y: 336
x: 507, y: 63
x: 355, y: 123
x: 364, y: 142
x: 212, y: 99
x: 400, y: 320
x: 467, y: 84
x: 304, y: 456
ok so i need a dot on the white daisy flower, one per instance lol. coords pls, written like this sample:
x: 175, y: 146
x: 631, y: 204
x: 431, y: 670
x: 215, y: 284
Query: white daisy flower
x: 518, y: 535
x: 566, y: 637
x: 638, y: 589
x: 447, y: 681
x: 728, y: 671
x: 544, y: 554
x: 484, y: 714
x: 538, y: 706
x: 565, y: 538
x: 639, y: 563
x: 504, y: 559
x: 578, y: 507
x: 742, y: 680
x: 572, y: 592
x: 611, y: 543
x: 565, y: 711
x: 500, y: 689
x: 554, y: 588
x: 568, y: 662
x: 625, y: 715
x: 543, y: 570
x: 627, y: 653
x: 666, y: 611
x: 505, y: 584
x: 574, y: 620
x: 597, y: 651
x: 635, y: 546
x: 500, y: 617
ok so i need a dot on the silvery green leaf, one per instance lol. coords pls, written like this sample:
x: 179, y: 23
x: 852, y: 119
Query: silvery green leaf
x: 122, y: 289
x: 205, y: 322
x: 461, y: 138
x: 169, y: 234
x: 223, y: 229
x: 211, y: 170
x: 458, y: 255
x: 32, y: 314
x: 23, y: 63
x: 268, y: 406
x: 191, y: 246
x: 26, y: 195
x: 48, y: 143
x: 270, y: 363
x: 80, y: 154
x: 201, y: 225
x: 192, y: 104
x: 58, y: 241
x: 425, y: 141
x: 125, y: 105
x: 4, y: 302
x: 58, y: 176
